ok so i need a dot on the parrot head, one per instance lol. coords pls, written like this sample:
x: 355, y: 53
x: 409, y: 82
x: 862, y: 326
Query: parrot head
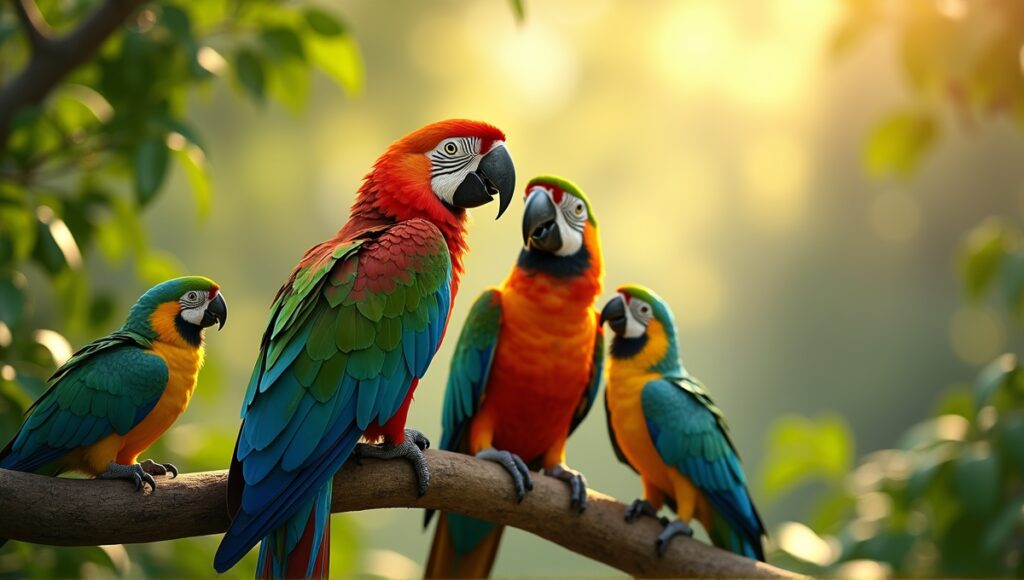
x: 645, y: 330
x: 440, y: 170
x: 559, y: 228
x: 178, y: 310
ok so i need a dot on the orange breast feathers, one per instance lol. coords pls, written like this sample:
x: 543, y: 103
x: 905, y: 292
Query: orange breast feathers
x: 183, y: 363
x: 542, y: 365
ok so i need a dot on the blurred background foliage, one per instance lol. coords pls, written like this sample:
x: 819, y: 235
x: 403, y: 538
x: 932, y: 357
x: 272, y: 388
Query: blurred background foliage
x: 832, y: 187
x: 78, y: 170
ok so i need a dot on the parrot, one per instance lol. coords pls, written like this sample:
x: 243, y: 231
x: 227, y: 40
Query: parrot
x: 351, y: 332
x: 526, y: 368
x: 117, y: 395
x: 664, y: 426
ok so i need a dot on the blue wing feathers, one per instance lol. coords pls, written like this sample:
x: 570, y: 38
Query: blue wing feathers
x: 689, y: 436
x: 305, y: 418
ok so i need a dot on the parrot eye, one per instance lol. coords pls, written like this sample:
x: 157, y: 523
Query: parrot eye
x: 450, y: 148
x: 191, y: 298
x: 579, y: 208
x: 645, y: 309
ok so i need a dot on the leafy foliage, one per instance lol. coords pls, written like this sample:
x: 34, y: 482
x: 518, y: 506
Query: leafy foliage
x: 958, y: 57
x: 78, y: 170
x: 948, y: 499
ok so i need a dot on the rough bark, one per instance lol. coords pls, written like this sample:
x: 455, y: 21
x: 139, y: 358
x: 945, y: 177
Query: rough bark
x: 69, y: 512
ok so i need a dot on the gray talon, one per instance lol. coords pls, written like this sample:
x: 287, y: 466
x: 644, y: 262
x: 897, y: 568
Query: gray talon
x: 642, y: 507
x: 676, y: 528
x: 515, y: 467
x: 153, y: 468
x: 411, y: 449
x: 135, y: 473
x: 577, y: 484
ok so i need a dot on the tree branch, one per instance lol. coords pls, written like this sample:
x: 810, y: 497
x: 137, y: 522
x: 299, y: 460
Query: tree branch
x: 32, y: 23
x: 53, y: 58
x: 70, y: 512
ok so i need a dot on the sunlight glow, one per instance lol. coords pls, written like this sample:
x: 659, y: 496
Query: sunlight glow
x: 390, y: 564
x: 693, y: 43
x: 61, y: 236
x: 775, y: 171
x: 59, y: 347
x: 801, y: 541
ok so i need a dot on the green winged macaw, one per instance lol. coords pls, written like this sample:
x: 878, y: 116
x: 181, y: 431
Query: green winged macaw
x: 665, y: 427
x: 527, y: 367
x: 350, y: 334
x: 117, y: 395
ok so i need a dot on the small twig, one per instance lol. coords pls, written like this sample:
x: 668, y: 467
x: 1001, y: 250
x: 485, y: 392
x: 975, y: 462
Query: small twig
x: 72, y: 512
x: 33, y: 23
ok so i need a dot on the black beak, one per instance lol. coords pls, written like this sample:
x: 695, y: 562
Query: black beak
x: 614, y: 313
x: 540, y: 228
x: 216, y: 311
x: 496, y: 176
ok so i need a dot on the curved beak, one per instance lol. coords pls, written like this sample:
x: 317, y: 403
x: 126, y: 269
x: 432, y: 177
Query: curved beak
x: 495, y: 176
x: 614, y: 313
x: 216, y: 312
x: 540, y: 227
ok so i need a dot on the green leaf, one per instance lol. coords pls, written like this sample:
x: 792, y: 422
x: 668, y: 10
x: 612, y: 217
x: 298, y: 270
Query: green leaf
x: 177, y: 21
x: 1013, y: 282
x: 519, y: 9
x: 323, y: 23
x: 17, y: 225
x: 193, y: 162
x: 982, y: 256
x: 283, y: 43
x: 896, y: 145
x: 339, y: 58
x: 976, y: 479
x: 801, y: 450
x: 1011, y: 437
x: 249, y: 73
x: 12, y: 302
x: 289, y: 83
x: 150, y: 168
x: 993, y: 376
x: 1009, y: 519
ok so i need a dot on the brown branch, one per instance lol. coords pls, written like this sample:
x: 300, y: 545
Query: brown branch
x: 70, y: 512
x: 53, y: 58
x: 32, y: 23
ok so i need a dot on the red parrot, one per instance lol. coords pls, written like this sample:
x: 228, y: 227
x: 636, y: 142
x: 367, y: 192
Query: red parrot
x: 527, y: 367
x: 350, y: 334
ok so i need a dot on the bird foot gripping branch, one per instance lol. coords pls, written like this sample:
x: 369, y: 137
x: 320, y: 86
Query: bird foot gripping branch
x: 411, y: 448
x: 515, y: 467
x: 139, y: 473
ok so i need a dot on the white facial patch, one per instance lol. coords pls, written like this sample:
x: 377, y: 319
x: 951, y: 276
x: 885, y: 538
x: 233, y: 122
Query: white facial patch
x: 638, y: 316
x: 571, y: 220
x: 451, y: 161
x: 193, y: 306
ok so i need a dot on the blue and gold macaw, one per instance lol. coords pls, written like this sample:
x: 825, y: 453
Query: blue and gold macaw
x: 664, y: 426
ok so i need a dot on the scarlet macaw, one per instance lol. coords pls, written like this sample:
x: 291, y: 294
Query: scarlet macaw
x: 527, y: 367
x: 350, y: 334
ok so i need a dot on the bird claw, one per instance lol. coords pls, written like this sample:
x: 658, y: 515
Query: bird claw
x: 135, y: 473
x: 673, y: 529
x: 411, y: 449
x: 515, y: 467
x: 577, y: 483
x: 153, y: 468
x: 642, y: 507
